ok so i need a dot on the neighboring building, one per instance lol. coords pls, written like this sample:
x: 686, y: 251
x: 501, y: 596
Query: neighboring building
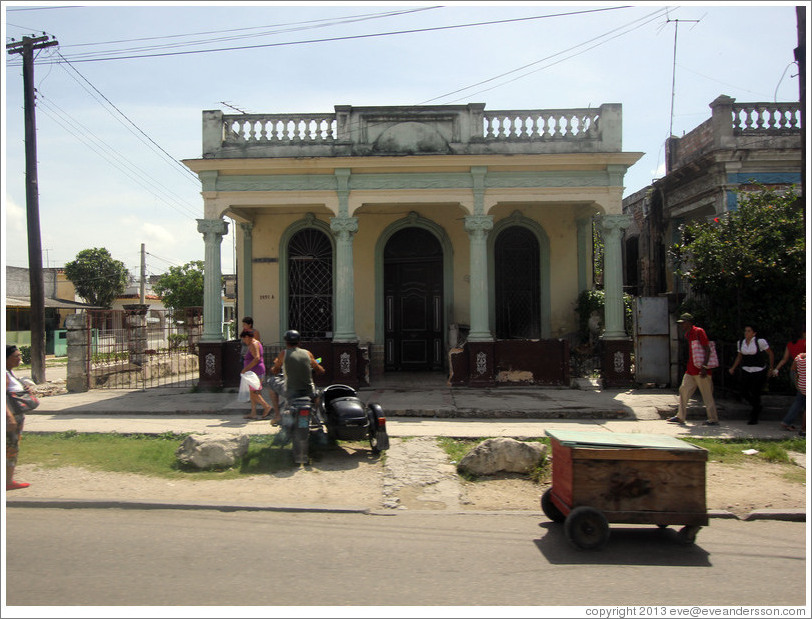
x: 740, y: 144
x: 389, y: 232
x: 60, y: 301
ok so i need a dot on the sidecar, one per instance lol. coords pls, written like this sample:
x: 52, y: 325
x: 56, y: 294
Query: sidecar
x: 348, y: 419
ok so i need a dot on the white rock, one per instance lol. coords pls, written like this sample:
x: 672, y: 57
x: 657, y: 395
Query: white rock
x: 502, y: 454
x: 208, y: 451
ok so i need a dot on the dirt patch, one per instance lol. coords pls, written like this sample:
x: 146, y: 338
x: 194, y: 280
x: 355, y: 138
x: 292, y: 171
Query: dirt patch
x: 353, y: 478
x: 737, y: 488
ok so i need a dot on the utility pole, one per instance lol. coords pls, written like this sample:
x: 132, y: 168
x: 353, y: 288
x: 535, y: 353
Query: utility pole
x: 800, y: 58
x: 26, y: 49
x: 143, y: 297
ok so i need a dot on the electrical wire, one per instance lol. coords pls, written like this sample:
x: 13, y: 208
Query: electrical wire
x: 111, y: 156
x: 172, y: 159
x: 645, y: 21
x: 348, y: 37
x: 265, y: 31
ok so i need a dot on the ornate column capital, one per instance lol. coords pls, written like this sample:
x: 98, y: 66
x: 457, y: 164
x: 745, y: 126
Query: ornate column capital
x: 344, y: 227
x: 478, y: 226
x: 247, y: 229
x: 212, y: 226
x: 615, y: 224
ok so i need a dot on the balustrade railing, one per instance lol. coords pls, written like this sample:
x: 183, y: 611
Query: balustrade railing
x: 523, y: 125
x: 269, y: 128
x: 507, y: 125
x: 750, y: 117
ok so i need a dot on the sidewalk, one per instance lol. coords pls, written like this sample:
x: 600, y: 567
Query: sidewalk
x: 411, y: 410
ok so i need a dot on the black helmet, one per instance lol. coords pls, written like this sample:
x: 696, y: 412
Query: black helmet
x: 292, y: 337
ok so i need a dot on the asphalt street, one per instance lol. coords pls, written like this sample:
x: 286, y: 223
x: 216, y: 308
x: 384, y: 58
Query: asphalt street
x: 219, y: 558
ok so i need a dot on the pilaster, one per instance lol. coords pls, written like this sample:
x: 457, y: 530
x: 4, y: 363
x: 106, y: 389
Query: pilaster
x: 247, y: 281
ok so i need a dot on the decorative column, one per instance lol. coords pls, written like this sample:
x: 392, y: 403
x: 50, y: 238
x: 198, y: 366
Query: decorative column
x: 481, y: 366
x: 477, y: 227
x: 344, y: 228
x: 613, y: 227
x: 213, y: 231
x: 616, y: 345
x: 345, y: 341
x: 247, y: 280
x: 210, y: 347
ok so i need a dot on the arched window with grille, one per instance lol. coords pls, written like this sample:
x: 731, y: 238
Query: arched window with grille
x: 310, y: 284
x: 517, y: 284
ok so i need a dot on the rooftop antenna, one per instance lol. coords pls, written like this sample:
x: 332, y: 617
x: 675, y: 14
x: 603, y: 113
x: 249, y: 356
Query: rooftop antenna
x: 674, y: 66
x: 233, y: 107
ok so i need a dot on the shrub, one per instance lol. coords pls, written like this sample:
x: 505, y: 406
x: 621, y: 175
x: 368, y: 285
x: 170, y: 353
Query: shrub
x: 25, y: 351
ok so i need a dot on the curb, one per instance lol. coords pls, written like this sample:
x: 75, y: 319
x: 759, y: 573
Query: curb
x: 791, y: 515
x: 155, y: 505
x: 787, y: 515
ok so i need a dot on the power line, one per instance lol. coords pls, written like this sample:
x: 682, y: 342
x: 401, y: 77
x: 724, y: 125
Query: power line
x: 276, y: 29
x: 645, y: 20
x: 125, y: 117
x: 116, y: 159
x: 348, y: 37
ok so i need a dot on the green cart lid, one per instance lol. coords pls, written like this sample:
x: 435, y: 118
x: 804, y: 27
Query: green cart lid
x: 572, y: 438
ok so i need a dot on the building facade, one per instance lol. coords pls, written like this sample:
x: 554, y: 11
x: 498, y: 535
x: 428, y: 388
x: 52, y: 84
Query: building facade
x: 739, y: 146
x: 415, y: 238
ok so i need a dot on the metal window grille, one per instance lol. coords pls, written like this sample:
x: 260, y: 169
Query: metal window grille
x: 518, y: 299
x: 310, y: 284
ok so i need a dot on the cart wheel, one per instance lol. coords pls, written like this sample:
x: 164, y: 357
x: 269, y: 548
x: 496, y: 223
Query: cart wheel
x: 586, y: 528
x: 687, y: 534
x: 549, y: 508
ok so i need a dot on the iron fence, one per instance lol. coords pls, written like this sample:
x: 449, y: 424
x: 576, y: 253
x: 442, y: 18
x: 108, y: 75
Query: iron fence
x: 143, y: 348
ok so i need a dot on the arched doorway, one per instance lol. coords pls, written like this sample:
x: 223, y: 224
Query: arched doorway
x: 517, y: 284
x: 413, y: 301
x: 310, y: 284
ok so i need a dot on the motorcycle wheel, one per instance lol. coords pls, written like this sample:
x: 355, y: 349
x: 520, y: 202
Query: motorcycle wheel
x: 378, y: 441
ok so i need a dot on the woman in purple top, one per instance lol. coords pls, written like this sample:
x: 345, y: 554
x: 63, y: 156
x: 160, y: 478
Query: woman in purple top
x: 253, y: 362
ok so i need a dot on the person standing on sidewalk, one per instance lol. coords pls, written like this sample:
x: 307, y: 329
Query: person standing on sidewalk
x: 799, y: 404
x: 793, y: 349
x: 254, y: 362
x: 697, y: 375
x: 752, y: 351
x: 14, y: 418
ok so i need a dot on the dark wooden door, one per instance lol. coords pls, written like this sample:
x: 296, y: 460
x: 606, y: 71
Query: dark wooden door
x: 413, y: 302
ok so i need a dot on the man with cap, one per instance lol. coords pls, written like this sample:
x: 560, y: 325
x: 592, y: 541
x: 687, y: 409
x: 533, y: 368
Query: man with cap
x: 697, y: 375
x: 297, y: 365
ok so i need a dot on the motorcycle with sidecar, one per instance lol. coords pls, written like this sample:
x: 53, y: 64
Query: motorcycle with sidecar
x: 335, y: 414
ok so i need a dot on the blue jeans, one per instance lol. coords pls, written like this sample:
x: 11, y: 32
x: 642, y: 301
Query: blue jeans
x: 798, y: 406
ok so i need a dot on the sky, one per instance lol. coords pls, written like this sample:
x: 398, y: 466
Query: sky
x: 120, y: 99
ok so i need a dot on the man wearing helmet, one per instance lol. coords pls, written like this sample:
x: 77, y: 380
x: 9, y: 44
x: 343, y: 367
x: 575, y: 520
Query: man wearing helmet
x: 299, y: 365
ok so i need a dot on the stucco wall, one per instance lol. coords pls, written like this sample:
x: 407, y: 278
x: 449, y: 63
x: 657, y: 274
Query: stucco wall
x: 558, y: 224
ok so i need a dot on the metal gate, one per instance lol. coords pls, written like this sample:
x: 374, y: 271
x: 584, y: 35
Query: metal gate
x: 141, y: 348
x: 652, y: 354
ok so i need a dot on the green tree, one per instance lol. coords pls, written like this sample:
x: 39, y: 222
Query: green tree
x: 97, y: 277
x: 182, y: 287
x: 747, y: 266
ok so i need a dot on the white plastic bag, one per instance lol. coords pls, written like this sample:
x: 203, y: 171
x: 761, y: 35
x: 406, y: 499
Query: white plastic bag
x: 248, y: 381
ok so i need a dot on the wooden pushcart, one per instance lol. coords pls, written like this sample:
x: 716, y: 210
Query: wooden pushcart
x: 602, y: 477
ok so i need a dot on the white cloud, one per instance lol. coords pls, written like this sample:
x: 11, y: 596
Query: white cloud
x: 15, y: 218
